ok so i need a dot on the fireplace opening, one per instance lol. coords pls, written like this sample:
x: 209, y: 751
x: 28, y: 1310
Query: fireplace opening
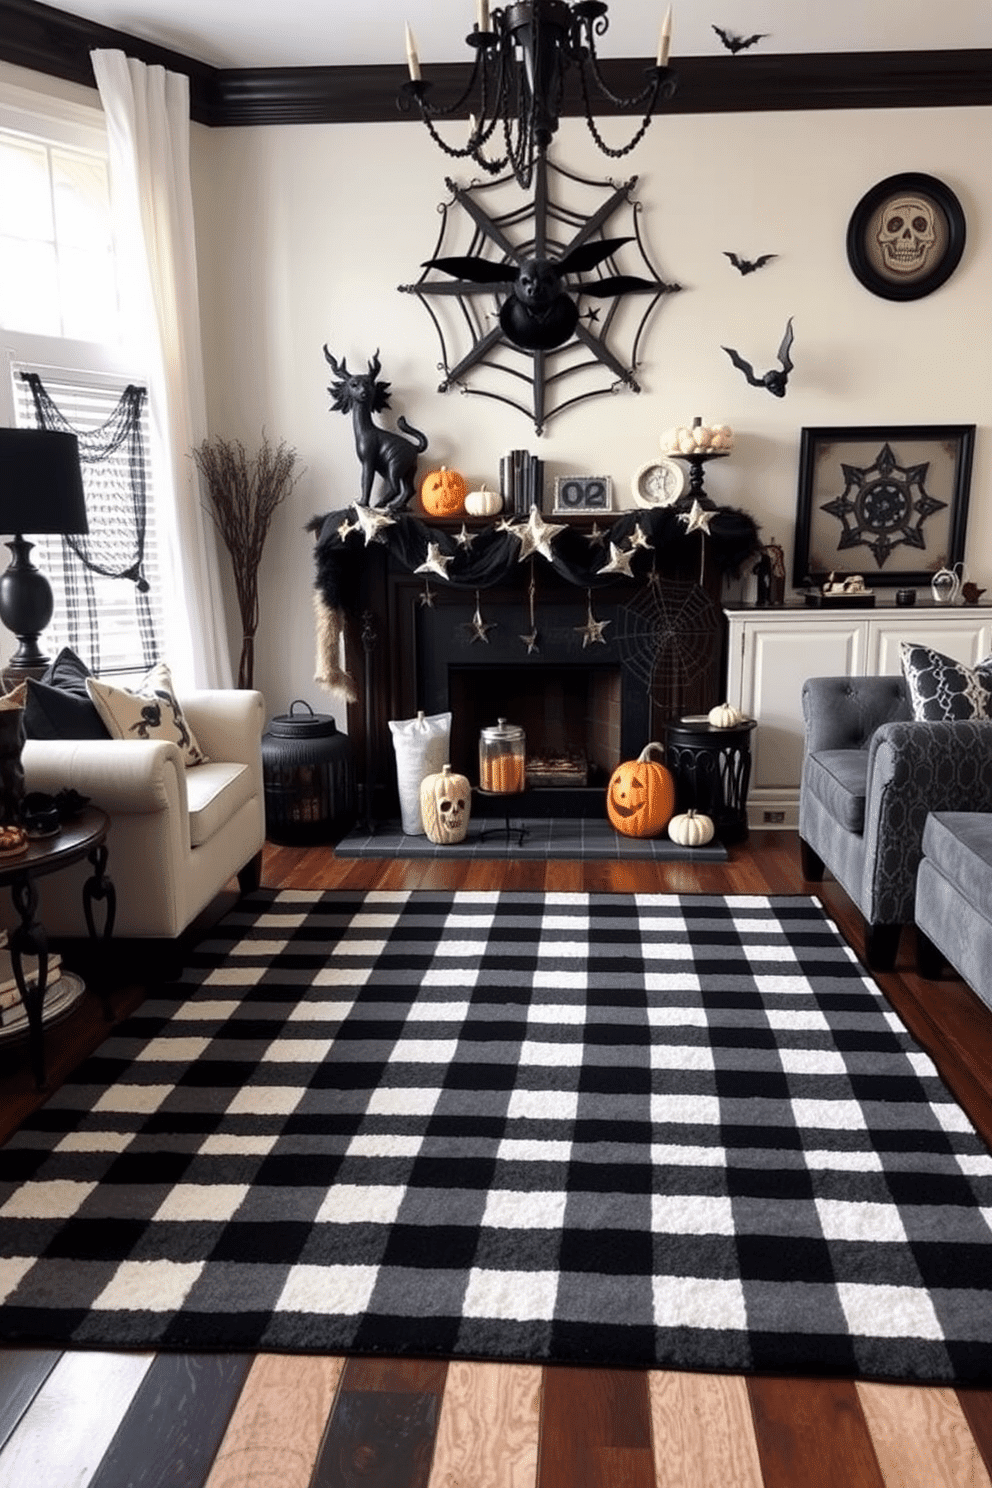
x: 570, y: 717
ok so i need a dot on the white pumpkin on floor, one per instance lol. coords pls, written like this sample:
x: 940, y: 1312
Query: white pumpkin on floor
x: 691, y: 829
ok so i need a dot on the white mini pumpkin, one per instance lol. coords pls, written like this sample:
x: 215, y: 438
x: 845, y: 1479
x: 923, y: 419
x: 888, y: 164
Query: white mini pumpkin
x: 483, y: 502
x: 725, y: 715
x: 691, y: 829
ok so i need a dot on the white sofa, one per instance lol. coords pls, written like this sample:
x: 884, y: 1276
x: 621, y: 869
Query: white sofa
x: 177, y: 835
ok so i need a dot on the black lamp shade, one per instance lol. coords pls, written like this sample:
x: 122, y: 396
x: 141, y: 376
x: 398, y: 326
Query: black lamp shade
x: 41, y: 483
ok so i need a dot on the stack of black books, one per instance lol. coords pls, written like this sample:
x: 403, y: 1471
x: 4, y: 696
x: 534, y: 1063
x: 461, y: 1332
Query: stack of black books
x: 521, y: 481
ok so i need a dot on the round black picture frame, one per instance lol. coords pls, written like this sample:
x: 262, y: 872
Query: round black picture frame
x: 867, y: 256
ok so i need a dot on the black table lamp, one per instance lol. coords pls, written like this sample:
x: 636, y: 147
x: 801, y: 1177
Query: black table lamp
x: 41, y: 490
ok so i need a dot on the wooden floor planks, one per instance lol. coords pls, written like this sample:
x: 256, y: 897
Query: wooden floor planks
x: 921, y: 1437
x: 702, y: 1430
x: 489, y: 1429
x: 99, y: 1420
x: 72, y: 1420
x: 175, y: 1423
x: 278, y: 1424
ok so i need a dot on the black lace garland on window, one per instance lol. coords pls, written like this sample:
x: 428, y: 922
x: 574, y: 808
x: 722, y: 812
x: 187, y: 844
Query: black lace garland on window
x: 115, y: 480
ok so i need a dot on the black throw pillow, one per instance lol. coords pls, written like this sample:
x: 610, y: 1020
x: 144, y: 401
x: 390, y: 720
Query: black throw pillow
x: 59, y: 707
x: 69, y: 673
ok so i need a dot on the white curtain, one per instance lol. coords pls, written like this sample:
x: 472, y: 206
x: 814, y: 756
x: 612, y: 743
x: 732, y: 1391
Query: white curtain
x: 147, y: 111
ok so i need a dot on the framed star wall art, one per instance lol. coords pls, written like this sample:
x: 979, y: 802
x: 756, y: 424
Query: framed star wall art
x: 890, y: 503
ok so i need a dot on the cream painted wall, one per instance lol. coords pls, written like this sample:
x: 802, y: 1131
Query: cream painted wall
x: 305, y: 232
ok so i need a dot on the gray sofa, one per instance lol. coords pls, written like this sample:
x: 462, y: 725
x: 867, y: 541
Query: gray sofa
x: 870, y: 777
x: 954, y: 898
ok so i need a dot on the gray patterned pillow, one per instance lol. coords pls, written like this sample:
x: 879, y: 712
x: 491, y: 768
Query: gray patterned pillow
x: 941, y: 689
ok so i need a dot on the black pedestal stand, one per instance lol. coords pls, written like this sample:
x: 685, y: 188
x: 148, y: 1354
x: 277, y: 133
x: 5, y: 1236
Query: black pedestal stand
x: 507, y: 798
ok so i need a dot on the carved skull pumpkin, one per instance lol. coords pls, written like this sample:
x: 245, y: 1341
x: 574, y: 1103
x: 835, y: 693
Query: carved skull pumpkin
x: 445, y: 806
x: 640, y: 797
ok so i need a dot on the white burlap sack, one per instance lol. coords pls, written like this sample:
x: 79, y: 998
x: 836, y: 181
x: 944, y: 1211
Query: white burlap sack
x: 421, y: 747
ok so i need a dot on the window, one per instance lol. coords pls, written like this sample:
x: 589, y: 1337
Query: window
x: 112, y: 619
x: 60, y: 318
x: 56, y: 252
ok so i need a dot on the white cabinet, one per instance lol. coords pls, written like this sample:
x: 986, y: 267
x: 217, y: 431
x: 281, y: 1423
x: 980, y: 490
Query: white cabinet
x: 772, y: 652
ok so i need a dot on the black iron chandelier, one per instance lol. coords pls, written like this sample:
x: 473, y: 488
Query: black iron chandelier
x: 523, y: 55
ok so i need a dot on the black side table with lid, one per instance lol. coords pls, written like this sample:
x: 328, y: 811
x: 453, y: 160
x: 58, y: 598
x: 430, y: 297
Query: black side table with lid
x: 712, y: 770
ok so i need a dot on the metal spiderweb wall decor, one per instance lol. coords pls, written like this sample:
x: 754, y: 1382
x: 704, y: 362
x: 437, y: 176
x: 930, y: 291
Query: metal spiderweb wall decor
x: 509, y: 279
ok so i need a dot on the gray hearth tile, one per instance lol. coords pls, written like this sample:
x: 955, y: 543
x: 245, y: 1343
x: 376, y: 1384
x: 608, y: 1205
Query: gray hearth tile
x: 579, y: 838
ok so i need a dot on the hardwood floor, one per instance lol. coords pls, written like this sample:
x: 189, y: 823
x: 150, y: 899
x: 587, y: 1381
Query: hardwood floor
x: 104, y: 1420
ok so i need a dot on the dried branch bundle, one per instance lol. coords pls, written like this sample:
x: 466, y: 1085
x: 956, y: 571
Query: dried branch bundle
x: 244, y: 492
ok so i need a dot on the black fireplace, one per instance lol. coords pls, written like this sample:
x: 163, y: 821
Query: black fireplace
x: 584, y: 704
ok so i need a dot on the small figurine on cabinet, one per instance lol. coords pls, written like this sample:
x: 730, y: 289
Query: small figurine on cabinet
x: 770, y: 573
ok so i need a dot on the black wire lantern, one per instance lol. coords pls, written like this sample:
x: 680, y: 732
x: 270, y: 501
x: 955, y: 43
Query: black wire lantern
x: 514, y: 97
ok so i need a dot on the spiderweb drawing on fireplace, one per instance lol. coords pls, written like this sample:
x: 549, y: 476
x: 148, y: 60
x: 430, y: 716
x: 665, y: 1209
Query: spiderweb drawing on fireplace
x: 669, y: 638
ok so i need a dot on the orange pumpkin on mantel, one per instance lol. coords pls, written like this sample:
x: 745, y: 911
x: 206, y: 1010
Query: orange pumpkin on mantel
x: 640, y: 797
x: 443, y: 492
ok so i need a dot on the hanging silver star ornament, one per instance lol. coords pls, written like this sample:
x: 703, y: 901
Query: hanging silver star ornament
x: 592, y: 631
x: 619, y: 562
x: 639, y: 538
x: 697, y: 518
x: 436, y: 561
x: 595, y: 537
x: 537, y: 535
x: 372, y: 523
x: 530, y: 639
x: 426, y: 598
x: 507, y: 524
x: 465, y: 539
x: 478, y: 626
x: 346, y: 528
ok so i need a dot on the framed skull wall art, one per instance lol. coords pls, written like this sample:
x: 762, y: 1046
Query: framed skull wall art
x: 906, y: 236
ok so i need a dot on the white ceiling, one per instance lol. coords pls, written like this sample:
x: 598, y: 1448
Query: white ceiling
x: 298, y: 33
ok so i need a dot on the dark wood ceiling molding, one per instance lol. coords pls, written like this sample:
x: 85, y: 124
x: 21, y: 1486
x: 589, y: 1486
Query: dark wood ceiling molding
x: 53, y: 41
x: 59, y: 44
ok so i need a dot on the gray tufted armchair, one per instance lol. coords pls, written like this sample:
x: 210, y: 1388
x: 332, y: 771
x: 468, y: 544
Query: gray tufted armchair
x: 870, y: 776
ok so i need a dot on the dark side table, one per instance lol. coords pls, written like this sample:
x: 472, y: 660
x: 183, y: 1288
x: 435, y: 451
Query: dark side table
x: 83, y: 837
x: 712, y: 770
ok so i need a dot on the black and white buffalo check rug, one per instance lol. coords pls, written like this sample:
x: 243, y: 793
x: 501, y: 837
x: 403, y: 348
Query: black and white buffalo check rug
x: 651, y: 1129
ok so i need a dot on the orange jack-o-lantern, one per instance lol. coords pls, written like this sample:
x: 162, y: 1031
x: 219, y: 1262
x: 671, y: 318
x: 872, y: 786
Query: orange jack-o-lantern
x: 442, y: 493
x: 640, y: 797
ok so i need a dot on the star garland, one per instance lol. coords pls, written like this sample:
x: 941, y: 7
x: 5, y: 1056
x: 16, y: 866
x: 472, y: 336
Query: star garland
x: 372, y: 523
x: 592, y: 631
x: 698, y: 519
x: 478, y: 627
x: 619, y: 562
x: 530, y: 639
x: 436, y: 561
x: 535, y: 535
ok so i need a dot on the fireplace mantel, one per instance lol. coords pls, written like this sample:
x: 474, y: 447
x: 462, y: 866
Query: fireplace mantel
x: 411, y: 631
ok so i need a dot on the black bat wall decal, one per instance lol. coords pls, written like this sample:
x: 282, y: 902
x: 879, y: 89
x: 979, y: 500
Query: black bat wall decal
x: 776, y: 381
x: 748, y: 265
x: 737, y: 44
x: 538, y: 313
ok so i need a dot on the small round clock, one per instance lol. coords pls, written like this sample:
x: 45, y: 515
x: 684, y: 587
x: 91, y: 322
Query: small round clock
x: 660, y: 482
